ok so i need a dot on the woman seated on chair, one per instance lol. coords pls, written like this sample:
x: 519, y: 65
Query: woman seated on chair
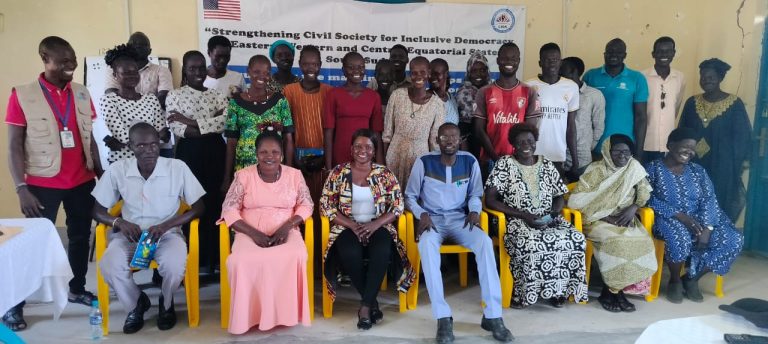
x: 609, y: 194
x: 268, y: 265
x: 547, y: 252
x: 689, y: 219
x: 362, y: 200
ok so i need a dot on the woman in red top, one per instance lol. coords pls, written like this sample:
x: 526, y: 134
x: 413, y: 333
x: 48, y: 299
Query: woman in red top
x: 348, y: 108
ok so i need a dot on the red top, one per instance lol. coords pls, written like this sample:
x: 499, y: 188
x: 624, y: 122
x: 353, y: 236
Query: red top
x: 503, y: 108
x: 346, y: 114
x: 73, y: 170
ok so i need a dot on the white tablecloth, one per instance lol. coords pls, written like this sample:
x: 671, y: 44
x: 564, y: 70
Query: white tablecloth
x: 33, y: 266
x: 698, y: 330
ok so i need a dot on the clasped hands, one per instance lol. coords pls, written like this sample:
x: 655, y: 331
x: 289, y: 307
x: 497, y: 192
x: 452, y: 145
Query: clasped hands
x: 624, y: 218
x: 132, y: 231
x: 425, y: 223
x: 701, y: 233
x: 278, y: 238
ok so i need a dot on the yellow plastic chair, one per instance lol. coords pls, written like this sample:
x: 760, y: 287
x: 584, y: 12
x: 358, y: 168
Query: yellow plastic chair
x: 225, y: 249
x: 191, y: 275
x: 656, y: 280
x: 505, y: 275
x: 325, y: 233
x: 412, y: 250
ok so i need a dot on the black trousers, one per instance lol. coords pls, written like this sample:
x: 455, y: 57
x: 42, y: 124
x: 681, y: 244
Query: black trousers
x: 78, y: 206
x: 205, y: 157
x: 365, y: 277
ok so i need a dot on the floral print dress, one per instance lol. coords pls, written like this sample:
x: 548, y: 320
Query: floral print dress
x: 247, y: 120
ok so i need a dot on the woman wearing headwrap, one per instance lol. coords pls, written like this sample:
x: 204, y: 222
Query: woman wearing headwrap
x: 688, y: 218
x: 478, y: 75
x: 281, y: 53
x: 609, y: 194
x: 723, y: 131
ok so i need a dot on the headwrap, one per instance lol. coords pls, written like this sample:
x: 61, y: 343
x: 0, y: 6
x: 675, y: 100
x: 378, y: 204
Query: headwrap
x: 278, y: 43
x: 603, y: 186
x: 477, y: 56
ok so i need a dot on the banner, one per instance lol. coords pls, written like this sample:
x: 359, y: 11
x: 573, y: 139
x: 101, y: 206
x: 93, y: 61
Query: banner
x: 448, y: 31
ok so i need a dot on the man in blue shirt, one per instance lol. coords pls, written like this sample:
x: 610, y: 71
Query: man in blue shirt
x: 626, y: 93
x: 444, y: 192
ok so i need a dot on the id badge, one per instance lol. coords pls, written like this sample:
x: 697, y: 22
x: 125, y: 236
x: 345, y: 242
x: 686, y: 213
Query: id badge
x: 67, y: 139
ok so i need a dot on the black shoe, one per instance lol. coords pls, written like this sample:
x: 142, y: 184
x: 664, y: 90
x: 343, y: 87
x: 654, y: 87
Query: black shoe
x: 376, y: 315
x: 692, y: 292
x: 166, y: 319
x: 496, y: 326
x: 14, y: 319
x: 364, y: 323
x: 135, y: 319
x: 557, y: 302
x: 675, y: 292
x: 444, y: 331
x: 84, y: 298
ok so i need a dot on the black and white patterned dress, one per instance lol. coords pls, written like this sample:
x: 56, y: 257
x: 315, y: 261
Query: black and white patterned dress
x: 546, y: 262
x: 120, y: 114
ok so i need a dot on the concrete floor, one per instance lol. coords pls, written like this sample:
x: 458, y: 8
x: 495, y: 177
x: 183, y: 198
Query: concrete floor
x: 537, y: 324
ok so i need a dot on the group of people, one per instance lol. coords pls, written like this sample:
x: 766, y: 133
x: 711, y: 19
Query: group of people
x: 264, y: 158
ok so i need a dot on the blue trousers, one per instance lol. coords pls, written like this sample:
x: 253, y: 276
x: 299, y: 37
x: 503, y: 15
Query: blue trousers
x: 475, y: 240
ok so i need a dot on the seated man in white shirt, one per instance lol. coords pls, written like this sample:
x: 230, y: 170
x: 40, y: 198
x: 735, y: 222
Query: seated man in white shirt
x: 151, y: 188
x: 444, y: 193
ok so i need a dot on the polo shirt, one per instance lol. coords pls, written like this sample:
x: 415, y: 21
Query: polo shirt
x: 620, y: 92
x: 151, y: 201
x: 73, y: 170
x: 661, y: 121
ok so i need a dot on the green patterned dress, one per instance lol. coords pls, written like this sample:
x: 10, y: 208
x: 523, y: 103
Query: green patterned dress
x: 247, y: 120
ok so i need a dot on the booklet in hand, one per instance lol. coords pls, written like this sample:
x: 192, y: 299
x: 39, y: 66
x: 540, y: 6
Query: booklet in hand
x: 145, y: 251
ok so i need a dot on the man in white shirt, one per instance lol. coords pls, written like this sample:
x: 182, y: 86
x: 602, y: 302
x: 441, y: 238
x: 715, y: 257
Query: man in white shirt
x: 666, y: 88
x: 220, y: 78
x: 558, y: 100
x: 151, y: 188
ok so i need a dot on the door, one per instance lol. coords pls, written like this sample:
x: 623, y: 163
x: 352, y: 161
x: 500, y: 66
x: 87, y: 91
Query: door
x: 756, y: 219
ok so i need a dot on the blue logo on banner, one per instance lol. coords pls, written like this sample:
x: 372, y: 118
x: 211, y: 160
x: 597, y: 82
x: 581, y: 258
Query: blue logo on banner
x: 503, y: 20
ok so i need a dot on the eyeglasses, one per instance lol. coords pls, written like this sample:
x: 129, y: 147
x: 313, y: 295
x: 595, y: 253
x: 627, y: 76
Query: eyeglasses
x: 624, y: 152
x: 663, y: 96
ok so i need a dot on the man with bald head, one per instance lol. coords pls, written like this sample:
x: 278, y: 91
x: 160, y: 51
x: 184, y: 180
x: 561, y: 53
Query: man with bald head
x: 626, y: 95
x: 53, y: 158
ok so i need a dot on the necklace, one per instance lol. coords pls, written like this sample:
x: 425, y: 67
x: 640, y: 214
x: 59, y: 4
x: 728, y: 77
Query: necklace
x: 279, y: 169
x: 255, y: 100
x: 413, y: 112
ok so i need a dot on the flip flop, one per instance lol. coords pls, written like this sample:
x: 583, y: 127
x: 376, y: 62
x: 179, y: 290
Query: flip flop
x: 14, y: 320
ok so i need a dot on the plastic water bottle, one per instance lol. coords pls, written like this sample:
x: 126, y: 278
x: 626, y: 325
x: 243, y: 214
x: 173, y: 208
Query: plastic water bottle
x: 95, y: 320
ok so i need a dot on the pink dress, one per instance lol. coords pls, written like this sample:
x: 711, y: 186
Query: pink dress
x: 269, y: 285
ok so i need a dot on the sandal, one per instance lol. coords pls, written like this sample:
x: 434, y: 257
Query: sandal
x: 625, y: 305
x: 84, y: 298
x: 14, y: 319
x: 609, y: 301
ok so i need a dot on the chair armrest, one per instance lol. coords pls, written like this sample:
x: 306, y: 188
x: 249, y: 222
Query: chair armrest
x: 224, y: 239
x: 574, y: 217
x: 402, y: 227
x: 647, y: 217
x: 484, y: 221
x: 194, y: 244
x: 309, y: 234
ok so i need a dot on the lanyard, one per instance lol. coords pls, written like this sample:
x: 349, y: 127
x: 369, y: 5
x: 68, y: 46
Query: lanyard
x: 55, y: 107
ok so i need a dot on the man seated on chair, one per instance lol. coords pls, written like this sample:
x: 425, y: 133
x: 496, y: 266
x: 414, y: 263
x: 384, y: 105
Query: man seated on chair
x: 151, y: 188
x: 444, y: 193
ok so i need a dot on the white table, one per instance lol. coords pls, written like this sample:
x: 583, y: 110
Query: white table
x: 33, y: 266
x: 698, y: 330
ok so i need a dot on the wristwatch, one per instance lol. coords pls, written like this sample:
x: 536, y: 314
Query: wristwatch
x: 710, y: 228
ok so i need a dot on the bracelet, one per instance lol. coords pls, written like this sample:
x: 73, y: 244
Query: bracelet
x: 114, y: 222
x: 19, y: 186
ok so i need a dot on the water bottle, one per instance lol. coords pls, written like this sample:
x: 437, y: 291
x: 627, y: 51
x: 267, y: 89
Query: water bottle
x: 95, y: 320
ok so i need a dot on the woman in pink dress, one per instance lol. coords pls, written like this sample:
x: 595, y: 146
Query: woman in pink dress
x: 267, y: 268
